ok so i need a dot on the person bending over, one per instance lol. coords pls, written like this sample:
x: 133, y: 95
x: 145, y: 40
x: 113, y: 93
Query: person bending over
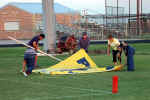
x: 30, y: 57
x: 115, y: 45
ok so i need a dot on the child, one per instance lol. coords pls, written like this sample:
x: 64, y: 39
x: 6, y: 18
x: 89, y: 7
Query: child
x: 114, y: 44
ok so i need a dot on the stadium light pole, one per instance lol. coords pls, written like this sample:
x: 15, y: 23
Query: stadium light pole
x: 138, y: 17
x: 49, y: 25
x: 106, y: 13
x: 141, y: 23
x: 129, y: 16
x: 117, y: 15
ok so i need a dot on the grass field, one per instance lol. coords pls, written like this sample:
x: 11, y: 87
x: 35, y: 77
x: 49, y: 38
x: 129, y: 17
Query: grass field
x: 95, y: 86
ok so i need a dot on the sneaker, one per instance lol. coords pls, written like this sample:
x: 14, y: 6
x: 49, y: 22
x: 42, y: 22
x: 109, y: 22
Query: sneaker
x: 25, y: 74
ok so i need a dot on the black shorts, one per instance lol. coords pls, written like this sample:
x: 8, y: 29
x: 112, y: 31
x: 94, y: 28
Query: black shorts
x: 114, y: 53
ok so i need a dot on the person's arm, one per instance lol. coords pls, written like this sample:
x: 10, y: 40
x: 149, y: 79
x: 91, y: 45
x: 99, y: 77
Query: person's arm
x: 125, y: 53
x: 88, y: 43
x: 80, y: 43
x: 108, y: 50
x: 35, y: 45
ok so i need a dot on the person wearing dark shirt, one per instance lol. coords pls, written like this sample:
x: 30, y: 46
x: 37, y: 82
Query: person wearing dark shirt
x: 84, y: 42
x: 34, y: 43
x: 129, y: 53
x: 34, y: 40
x: 30, y: 57
x: 61, y: 44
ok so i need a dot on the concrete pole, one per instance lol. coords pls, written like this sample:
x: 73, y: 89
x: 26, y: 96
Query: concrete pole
x: 117, y: 15
x: 49, y: 25
x: 129, y: 26
x: 106, y: 13
x: 138, y: 17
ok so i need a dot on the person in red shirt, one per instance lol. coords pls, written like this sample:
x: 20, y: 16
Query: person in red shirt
x: 71, y: 44
x: 61, y: 44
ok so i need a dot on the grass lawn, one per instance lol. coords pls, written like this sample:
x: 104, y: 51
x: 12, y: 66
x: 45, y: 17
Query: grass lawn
x: 95, y: 86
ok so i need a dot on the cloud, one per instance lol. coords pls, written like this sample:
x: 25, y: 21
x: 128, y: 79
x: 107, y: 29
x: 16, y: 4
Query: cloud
x: 96, y: 6
x: 4, y: 2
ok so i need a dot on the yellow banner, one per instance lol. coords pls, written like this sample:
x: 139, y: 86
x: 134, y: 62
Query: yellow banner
x: 79, y: 62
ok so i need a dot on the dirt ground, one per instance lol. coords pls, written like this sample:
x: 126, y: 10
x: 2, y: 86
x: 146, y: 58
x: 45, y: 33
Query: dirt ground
x: 97, y: 52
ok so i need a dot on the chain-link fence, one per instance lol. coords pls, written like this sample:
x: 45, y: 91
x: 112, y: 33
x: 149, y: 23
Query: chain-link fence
x: 76, y: 23
x: 127, y: 18
x: 122, y: 18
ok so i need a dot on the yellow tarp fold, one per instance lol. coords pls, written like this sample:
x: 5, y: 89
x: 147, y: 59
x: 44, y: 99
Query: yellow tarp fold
x: 79, y: 62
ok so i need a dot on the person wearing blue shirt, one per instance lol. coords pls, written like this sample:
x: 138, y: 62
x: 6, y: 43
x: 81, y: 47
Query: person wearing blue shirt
x: 129, y: 53
x: 84, y: 42
x: 30, y: 57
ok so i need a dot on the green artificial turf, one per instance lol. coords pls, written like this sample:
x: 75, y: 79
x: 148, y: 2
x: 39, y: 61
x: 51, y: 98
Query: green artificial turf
x: 95, y: 86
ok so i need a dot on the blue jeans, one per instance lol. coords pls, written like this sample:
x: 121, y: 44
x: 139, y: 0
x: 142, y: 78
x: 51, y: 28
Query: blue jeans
x: 30, y: 62
x: 130, y: 63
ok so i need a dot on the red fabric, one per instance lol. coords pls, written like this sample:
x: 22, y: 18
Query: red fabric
x: 71, y: 43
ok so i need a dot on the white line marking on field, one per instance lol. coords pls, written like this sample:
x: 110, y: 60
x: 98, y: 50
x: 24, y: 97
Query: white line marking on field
x: 83, y: 89
x: 92, y: 90
x: 84, y: 95
x: 87, y: 89
x: 92, y: 76
x: 79, y: 77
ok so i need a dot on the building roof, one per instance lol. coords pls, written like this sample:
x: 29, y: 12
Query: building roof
x: 37, y: 7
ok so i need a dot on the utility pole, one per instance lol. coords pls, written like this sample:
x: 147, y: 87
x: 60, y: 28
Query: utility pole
x: 129, y: 26
x: 138, y: 17
x: 49, y: 25
x: 106, y: 13
x: 141, y: 23
x: 117, y: 15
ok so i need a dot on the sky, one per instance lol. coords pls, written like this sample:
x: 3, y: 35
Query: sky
x: 95, y: 6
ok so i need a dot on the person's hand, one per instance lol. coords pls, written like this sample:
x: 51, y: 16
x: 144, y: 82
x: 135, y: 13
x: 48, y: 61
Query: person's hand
x: 108, y: 50
x: 37, y: 48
